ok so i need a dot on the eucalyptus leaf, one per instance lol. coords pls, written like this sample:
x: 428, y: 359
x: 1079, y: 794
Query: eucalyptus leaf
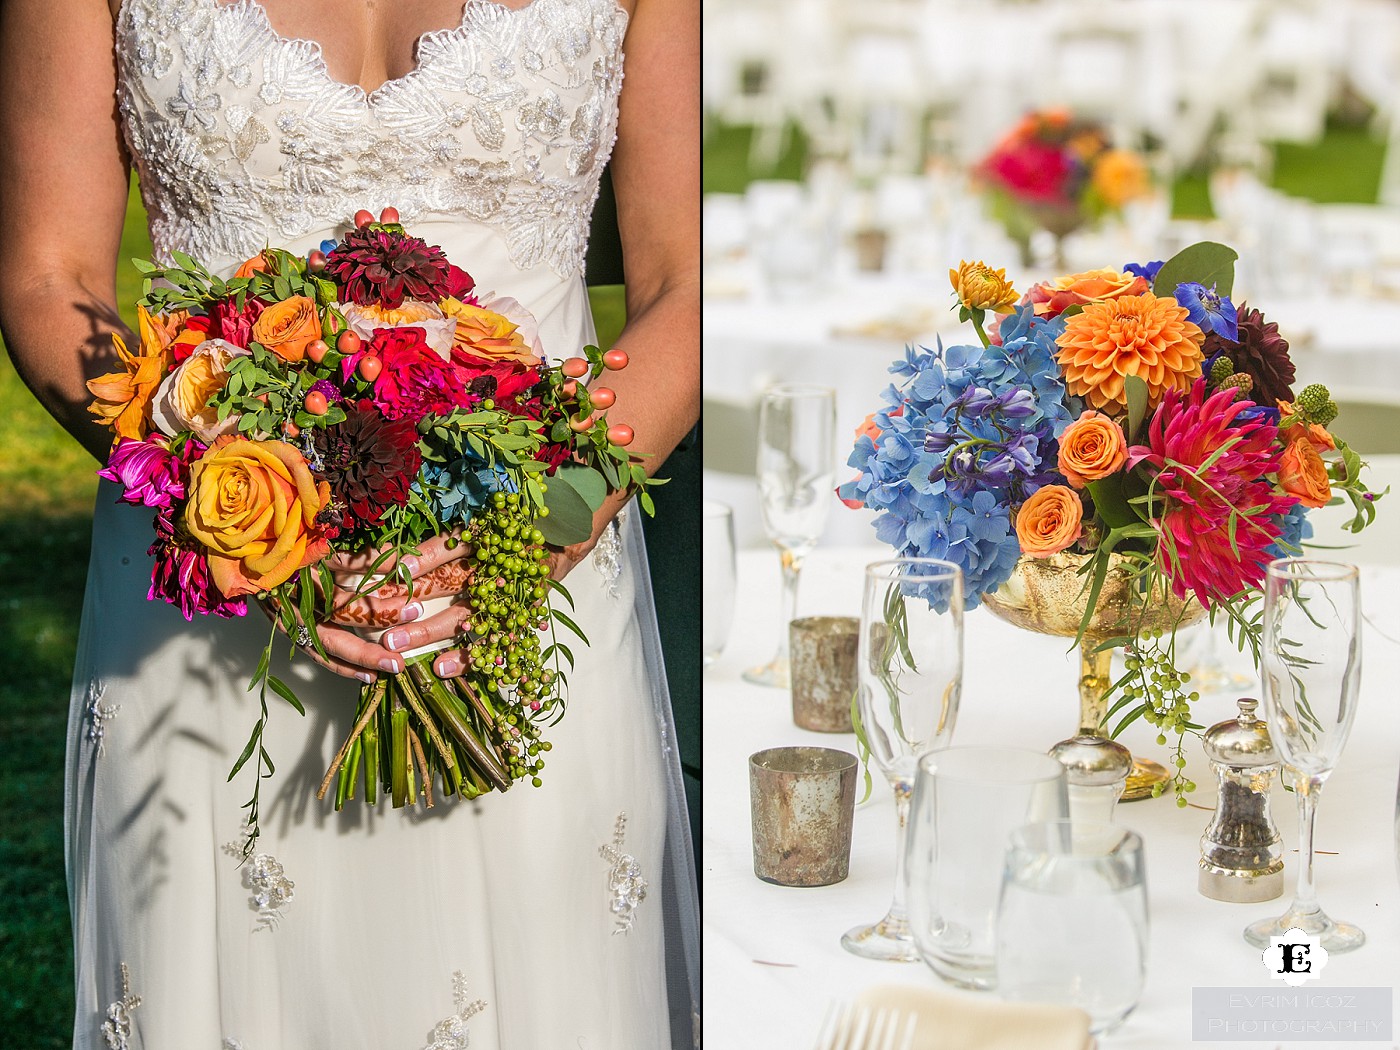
x: 1206, y: 262
x: 587, y: 481
x: 570, y: 518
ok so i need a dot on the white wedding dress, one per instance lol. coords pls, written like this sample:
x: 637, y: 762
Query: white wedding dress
x: 538, y: 919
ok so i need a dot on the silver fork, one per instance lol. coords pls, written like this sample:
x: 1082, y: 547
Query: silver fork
x: 848, y: 1027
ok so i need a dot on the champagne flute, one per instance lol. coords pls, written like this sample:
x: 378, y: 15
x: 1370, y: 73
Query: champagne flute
x: 1311, y: 660
x: 796, y: 478
x: 910, y: 656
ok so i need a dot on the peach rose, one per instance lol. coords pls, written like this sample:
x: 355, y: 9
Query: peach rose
x: 1302, y: 473
x: 1314, y: 433
x: 496, y: 331
x: 438, y: 329
x: 123, y: 399
x: 1048, y: 522
x: 1092, y: 447
x: 287, y: 327
x: 253, y: 505
x: 1053, y: 298
x: 182, y: 402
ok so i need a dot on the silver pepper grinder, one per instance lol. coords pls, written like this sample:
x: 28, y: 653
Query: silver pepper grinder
x: 1096, y: 771
x: 1241, y: 852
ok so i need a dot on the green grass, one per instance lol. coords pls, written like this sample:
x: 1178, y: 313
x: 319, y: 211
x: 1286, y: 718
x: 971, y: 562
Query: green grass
x: 47, y: 485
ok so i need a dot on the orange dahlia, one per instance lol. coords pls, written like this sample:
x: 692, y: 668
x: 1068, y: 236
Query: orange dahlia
x: 1140, y: 335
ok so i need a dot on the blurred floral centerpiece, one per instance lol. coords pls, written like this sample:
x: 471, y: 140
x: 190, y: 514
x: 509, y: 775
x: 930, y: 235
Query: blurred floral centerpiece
x: 1129, y: 437
x: 1055, y: 172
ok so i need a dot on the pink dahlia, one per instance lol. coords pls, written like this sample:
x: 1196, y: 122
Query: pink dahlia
x: 149, y: 473
x: 1209, y: 463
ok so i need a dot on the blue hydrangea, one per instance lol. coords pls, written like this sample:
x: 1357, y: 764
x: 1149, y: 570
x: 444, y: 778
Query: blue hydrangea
x: 1294, y: 528
x: 967, y: 433
x: 456, y: 490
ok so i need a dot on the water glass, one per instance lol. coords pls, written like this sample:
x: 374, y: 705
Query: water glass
x: 967, y: 801
x: 1072, y: 920
x: 717, y: 559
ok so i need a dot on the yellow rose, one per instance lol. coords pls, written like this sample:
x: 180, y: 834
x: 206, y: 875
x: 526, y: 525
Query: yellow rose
x: 123, y: 399
x: 287, y: 327
x: 253, y: 506
x: 488, y: 335
x: 182, y: 402
x: 979, y: 287
x: 1049, y: 521
x: 1092, y: 447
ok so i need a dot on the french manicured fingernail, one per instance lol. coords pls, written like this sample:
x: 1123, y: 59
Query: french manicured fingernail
x: 396, y: 639
x: 410, y: 612
x: 365, y: 677
x: 411, y: 564
x: 390, y: 664
x: 449, y: 665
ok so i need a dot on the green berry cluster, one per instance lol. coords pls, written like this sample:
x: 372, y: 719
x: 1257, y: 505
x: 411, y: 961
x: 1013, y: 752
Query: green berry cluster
x: 1155, y: 682
x: 508, y: 598
x: 1315, y: 405
x: 1222, y: 370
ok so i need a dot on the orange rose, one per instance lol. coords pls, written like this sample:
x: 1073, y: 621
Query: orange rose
x: 1119, y: 176
x: 287, y: 327
x: 123, y: 399
x: 1049, y: 521
x: 1092, y: 447
x: 1302, y: 473
x: 489, y: 336
x: 257, y: 264
x: 1053, y: 298
x: 1314, y: 433
x: 253, y: 505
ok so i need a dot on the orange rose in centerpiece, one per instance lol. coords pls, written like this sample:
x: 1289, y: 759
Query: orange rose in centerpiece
x: 253, y: 505
x: 1048, y: 522
x: 1302, y: 473
x: 1092, y: 447
x: 1134, y: 335
x: 489, y: 336
x: 1053, y: 298
x: 1313, y: 433
x: 1119, y: 177
x: 286, y: 328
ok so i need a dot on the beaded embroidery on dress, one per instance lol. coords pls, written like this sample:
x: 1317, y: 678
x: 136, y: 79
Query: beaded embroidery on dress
x: 492, y: 147
x: 242, y: 137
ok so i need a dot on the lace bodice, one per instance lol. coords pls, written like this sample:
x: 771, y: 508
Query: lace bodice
x: 242, y: 138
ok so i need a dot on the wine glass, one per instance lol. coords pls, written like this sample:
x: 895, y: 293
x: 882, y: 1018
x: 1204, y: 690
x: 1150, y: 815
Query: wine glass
x: 796, y: 478
x: 910, y: 656
x: 1311, y: 661
x: 717, y: 540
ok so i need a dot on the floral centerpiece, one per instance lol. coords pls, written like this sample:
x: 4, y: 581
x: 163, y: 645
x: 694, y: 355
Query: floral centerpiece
x: 1131, y: 427
x: 1057, y: 173
x: 358, y: 401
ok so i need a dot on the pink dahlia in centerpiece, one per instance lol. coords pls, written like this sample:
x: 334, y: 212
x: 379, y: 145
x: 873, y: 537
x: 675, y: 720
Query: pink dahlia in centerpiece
x: 1213, y: 459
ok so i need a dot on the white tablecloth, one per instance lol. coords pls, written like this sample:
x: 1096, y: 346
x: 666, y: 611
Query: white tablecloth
x: 772, y: 955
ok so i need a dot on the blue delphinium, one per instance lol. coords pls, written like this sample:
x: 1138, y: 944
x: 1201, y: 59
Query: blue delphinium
x: 1147, y: 270
x: 456, y: 490
x: 1294, y: 528
x: 968, y: 434
x: 1208, y: 311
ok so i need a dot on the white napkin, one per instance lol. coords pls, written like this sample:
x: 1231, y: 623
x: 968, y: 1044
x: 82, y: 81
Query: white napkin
x: 949, y: 1022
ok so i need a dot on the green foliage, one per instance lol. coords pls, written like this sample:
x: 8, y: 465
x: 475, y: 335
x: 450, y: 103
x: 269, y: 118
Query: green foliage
x: 1206, y: 263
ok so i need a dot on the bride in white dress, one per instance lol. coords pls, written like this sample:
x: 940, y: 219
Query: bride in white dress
x: 541, y: 919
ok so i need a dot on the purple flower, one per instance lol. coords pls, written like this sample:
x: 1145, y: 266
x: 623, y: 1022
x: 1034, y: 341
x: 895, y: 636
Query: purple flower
x: 181, y: 576
x: 1208, y: 311
x: 326, y: 387
x: 1146, y: 270
x: 150, y: 473
x: 1260, y: 414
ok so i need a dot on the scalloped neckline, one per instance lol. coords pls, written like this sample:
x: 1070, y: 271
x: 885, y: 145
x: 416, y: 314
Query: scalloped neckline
x: 318, y: 52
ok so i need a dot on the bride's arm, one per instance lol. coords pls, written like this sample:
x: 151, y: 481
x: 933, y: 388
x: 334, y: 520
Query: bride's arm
x: 656, y: 175
x: 63, y: 190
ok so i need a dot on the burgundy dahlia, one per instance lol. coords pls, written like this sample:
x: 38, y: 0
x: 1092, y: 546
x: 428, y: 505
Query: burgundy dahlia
x: 181, y: 574
x: 377, y: 266
x: 369, y: 461
x: 1261, y: 354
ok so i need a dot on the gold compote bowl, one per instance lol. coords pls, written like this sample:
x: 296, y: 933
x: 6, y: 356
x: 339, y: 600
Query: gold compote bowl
x: 1049, y: 596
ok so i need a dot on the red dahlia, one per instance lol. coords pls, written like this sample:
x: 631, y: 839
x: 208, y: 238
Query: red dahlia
x: 373, y: 265
x: 369, y: 461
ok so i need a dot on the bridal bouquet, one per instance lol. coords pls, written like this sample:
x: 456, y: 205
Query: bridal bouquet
x: 1130, y: 420
x: 359, y: 401
x: 1054, y: 172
